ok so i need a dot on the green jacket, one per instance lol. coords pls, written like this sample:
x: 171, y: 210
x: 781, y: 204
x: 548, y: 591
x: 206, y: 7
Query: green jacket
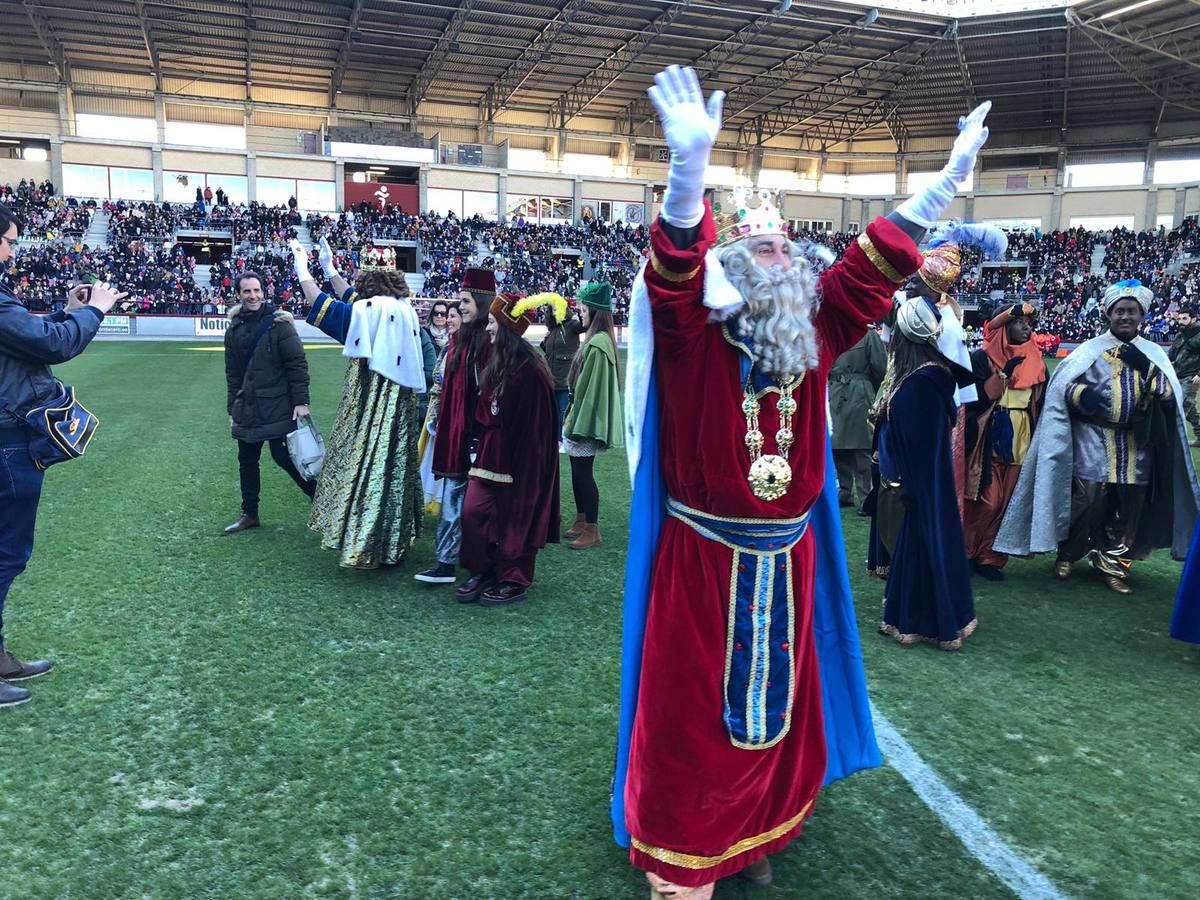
x: 596, y: 408
x: 853, y: 381
x: 1185, y: 353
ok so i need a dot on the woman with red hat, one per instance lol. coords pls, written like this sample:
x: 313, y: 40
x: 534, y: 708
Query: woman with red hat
x: 511, y: 507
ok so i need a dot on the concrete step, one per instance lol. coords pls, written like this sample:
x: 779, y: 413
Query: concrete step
x: 202, y: 275
x: 1099, y: 253
x: 97, y: 233
x: 416, y: 282
x: 304, y: 236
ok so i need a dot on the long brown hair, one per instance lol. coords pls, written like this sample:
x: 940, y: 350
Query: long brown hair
x: 382, y: 283
x: 601, y: 321
x: 509, y: 354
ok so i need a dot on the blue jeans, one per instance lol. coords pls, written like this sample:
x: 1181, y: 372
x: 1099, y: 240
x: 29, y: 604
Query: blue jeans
x: 20, y: 490
x: 563, y: 398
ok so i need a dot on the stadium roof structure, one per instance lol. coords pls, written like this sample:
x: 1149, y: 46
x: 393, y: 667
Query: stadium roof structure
x: 799, y: 75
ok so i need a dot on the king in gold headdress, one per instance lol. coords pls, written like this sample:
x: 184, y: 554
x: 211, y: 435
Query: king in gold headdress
x: 749, y: 213
x: 378, y: 259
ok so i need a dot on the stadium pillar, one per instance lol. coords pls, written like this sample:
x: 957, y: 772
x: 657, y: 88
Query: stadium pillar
x: 66, y: 110
x: 1180, y: 206
x: 502, y: 190
x: 901, y: 175
x: 339, y: 185
x: 754, y: 164
x: 1060, y: 174
x: 56, y: 161
x: 423, y: 188
x: 160, y: 118
x: 156, y: 164
x: 969, y: 207
x: 1151, y: 212
x: 844, y: 224
x: 576, y: 199
x: 251, y: 178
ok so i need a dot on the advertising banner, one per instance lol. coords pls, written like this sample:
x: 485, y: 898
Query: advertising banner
x: 211, y: 326
x: 115, y: 325
x: 384, y: 195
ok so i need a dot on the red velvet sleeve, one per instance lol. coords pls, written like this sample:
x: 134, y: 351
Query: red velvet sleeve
x: 675, y: 282
x: 858, y: 290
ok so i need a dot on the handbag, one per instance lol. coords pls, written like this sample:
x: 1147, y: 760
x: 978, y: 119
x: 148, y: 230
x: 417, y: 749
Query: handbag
x: 306, y: 447
x: 62, y: 428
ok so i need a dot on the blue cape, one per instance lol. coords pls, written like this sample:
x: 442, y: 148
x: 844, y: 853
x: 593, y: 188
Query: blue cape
x: 1185, y: 622
x: 849, y: 735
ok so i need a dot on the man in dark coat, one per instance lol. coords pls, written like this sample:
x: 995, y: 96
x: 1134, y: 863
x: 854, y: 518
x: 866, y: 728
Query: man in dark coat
x: 267, y: 378
x: 560, y: 345
x: 1185, y: 357
x: 854, y: 381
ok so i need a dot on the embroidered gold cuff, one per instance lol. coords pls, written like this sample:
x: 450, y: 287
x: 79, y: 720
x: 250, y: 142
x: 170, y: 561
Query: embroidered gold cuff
x: 324, y: 309
x: 486, y: 475
x: 663, y: 272
x: 689, y: 861
x: 879, y: 260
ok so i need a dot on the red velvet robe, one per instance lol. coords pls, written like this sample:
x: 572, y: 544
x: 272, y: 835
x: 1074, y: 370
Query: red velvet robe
x: 456, y: 409
x: 699, y: 808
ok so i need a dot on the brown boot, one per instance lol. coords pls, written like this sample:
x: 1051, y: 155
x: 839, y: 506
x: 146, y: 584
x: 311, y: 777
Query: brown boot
x: 575, y: 529
x: 242, y: 524
x: 588, y: 538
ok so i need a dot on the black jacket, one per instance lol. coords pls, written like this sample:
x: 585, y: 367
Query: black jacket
x: 29, y: 345
x: 263, y: 391
x: 560, y: 346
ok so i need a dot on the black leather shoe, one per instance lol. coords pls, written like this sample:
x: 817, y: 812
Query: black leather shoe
x: 242, y: 524
x: 12, y: 669
x: 991, y: 573
x: 442, y: 573
x: 469, y: 590
x: 503, y: 594
x: 11, y: 695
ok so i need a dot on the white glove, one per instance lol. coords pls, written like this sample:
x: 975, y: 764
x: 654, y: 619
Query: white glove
x: 300, y: 256
x: 691, y: 129
x: 325, y: 258
x: 926, y: 208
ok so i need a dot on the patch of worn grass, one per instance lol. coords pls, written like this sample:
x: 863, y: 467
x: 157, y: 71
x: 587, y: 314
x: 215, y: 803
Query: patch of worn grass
x: 237, y: 716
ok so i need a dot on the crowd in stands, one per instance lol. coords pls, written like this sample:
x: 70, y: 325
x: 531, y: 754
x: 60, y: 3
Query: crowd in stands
x: 1052, y: 270
x: 45, y: 215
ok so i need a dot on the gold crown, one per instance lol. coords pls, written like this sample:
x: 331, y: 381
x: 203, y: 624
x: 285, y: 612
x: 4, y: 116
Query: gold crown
x: 749, y: 213
x: 378, y: 259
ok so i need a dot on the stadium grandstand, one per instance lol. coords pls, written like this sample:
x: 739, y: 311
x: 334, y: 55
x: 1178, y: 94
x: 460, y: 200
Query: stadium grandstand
x: 520, y: 135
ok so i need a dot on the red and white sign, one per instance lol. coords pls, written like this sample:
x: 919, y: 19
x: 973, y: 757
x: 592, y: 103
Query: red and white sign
x: 384, y: 195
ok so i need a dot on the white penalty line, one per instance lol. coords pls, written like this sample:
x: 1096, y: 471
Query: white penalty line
x: 976, y: 835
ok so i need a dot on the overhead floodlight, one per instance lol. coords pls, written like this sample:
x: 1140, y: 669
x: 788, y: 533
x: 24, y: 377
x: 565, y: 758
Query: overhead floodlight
x: 870, y: 18
x: 952, y: 29
x: 783, y: 7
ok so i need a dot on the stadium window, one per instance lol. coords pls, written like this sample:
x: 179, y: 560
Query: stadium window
x: 1175, y: 171
x: 918, y: 181
x: 874, y: 183
x: 85, y: 181
x: 443, y: 200
x: 479, y: 203
x: 275, y: 191
x: 1015, y: 224
x: 720, y: 176
x: 527, y: 160
x: 35, y: 154
x: 1104, y: 174
x: 131, y: 184
x: 778, y: 179
x: 556, y: 211
x: 205, y: 134
x: 121, y: 128
x: 180, y: 187
x: 1165, y: 220
x: 589, y: 165
x: 1101, y: 223
x: 234, y: 186
x: 316, y: 195
x: 524, y: 207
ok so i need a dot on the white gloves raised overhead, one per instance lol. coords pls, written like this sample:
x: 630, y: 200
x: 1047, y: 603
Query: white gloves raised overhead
x: 325, y: 258
x: 300, y: 258
x: 690, y: 127
x: 926, y: 207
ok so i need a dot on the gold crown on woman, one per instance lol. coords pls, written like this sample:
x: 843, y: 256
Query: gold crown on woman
x: 748, y: 213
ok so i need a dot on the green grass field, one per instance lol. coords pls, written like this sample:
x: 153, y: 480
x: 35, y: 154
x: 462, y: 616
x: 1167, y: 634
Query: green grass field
x: 238, y: 717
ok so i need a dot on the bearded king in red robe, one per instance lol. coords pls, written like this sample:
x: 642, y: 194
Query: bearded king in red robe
x: 742, y: 684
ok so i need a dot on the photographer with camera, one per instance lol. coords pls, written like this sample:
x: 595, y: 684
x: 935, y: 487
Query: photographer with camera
x: 29, y: 344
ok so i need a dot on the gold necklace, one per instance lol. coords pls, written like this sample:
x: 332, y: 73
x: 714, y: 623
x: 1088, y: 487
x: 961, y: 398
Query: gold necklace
x: 770, y: 475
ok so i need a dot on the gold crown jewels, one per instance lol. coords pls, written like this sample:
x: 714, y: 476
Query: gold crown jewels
x: 749, y: 213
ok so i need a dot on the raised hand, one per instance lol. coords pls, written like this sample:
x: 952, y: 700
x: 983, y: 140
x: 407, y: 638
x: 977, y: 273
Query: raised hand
x: 325, y: 257
x: 689, y: 126
x: 300, y: 258
x: 972, y: 134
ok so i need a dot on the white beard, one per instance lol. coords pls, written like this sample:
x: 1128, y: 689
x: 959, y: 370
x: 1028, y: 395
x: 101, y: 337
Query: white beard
x: 778, y: 315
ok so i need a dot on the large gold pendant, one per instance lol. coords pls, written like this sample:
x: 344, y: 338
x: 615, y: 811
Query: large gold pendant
x: 769, y: 477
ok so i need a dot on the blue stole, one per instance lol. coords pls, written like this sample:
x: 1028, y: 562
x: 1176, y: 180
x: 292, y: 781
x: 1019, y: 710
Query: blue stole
x: 849, y: 734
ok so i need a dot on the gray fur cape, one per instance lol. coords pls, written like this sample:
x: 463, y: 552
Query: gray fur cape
x: 1039, y: 515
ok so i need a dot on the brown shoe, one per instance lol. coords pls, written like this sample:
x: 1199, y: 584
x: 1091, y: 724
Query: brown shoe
x: 12, y: 669
x: 588, y: 538
x: 575, y: 529
x: 1120, y: 585
x: 242, y: 524
x: 758, y: 872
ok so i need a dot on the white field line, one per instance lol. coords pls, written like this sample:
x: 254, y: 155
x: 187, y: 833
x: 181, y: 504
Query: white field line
x: 976, y: 835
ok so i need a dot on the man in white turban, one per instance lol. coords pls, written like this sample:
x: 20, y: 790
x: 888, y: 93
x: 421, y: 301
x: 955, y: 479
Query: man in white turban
x: 1108, y: 475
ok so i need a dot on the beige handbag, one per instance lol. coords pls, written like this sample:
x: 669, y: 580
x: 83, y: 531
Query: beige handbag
x: 306, y: 447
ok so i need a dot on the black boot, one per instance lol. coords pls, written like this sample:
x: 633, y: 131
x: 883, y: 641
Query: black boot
x: 11, y: 695
x: 12, y: 669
